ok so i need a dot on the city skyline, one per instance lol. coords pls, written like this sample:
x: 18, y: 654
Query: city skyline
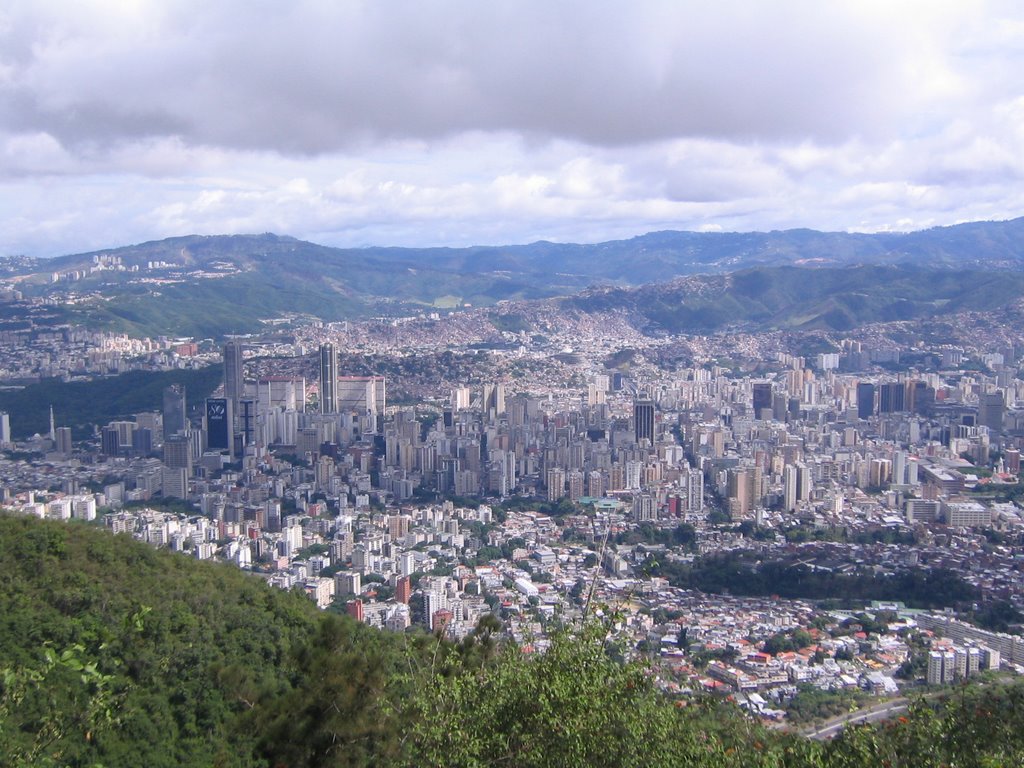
x: 407, y: 125
x: 341, y: 488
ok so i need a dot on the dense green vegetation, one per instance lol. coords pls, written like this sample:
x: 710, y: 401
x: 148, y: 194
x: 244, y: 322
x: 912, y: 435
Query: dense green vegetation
x: 212, y: 308
x: 181, y: 646
x: 83, y: 404
x: 191, y: 663
x: 996, y: 616
x: 742, y: 573
x: 813, y: 704
x: 115, y: 654
x: 838, y: 298
x: 251, y: 278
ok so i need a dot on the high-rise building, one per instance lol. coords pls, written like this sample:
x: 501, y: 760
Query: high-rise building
x: 64, y: 440
x: 555, y: 483
x: 399, y: 526
x: 576, y: 483
x: 234, y: 375
x: 247, y: 420
x: 174, y: 410
x: 174, y: 482
x: 220, y: 429
x: 355, y: 610
x: 643, y: 420
x: 990, y: 410
x: 796, y: 485
x: 142, y: 441
x: 125, y: 429
x: 645, y: 508
x: 743, y: 489
x: 365, y: 396
x: 5, y: 428
x: 328, y: 379
x: 865, y: 400
x: 285, y: 392
x: 493, y: 400
x: 178, y: 452
x: 694, y: 490
x: 403, y: 589
x: 892, y: 397
x: 347, y: 583
x: 110, y: 444
x: 922, y: 398
x: 460, y: 398
x: 762, y: 398
x: 1012, y: 456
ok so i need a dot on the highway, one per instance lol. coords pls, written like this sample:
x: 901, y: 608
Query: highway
x: 879, y: 712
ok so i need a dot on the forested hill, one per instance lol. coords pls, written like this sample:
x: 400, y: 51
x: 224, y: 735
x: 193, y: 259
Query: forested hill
x: 116, y: 654
x: 651, y: 257
x: 836, y: 299
x: 223, y: 284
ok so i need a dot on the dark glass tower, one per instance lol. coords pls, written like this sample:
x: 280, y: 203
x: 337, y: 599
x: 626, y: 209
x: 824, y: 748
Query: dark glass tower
x: 762, y: 398
x: 174, y: 410
x: 643, y: 420
x: 234, y: 377
x: 328, y: 379
x: 865, y: 400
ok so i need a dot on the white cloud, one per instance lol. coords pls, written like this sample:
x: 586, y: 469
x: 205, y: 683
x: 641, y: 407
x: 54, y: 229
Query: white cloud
x: 452, y: 123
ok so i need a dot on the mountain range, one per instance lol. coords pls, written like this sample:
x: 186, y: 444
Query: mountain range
x: 211, y: 285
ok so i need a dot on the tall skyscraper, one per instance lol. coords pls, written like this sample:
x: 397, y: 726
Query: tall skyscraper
x: 142, y: 441
x: 220, y: 432
x: 178, y: 452
x: 247, y: 420
x: 492, y: 400
x: 865, y: 400
x: 555, y: 483
x: 762, y: 398
x: 234, y: 377
x: 460, y: 398
x: 285, y: 392
x: 694, y: 490
x: 796, y: 485
x: 5, y: 428
x: 110, y: 444
x: 923, y: 398
x: 892, y: 397
x: 328, y: 379
x: 990, y: 410
x: 643, y: 420
x: 174, y: 410
x: 365, y: 396
x: 64, y: 440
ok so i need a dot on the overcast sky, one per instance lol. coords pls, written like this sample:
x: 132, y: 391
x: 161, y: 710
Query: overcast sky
x: 454, y: 123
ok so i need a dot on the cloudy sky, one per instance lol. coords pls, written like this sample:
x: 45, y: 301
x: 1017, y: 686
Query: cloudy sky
x: 423, y: 122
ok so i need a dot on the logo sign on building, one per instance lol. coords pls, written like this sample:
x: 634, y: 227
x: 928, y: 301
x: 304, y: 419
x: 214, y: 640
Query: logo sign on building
x: 218, y: 424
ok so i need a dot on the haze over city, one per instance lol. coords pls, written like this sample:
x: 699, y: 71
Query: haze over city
x: 452, y: 124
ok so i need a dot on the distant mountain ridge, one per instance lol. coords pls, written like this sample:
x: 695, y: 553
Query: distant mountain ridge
x: 799, y: 298
x: 660, y: 255
x: 212, y: 285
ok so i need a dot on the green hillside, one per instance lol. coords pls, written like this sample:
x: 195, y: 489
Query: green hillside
x: 808, y: 298
x: 83, y: 404
x: 229, y: 284
x: 213, y: 285
x: 115, y: 654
